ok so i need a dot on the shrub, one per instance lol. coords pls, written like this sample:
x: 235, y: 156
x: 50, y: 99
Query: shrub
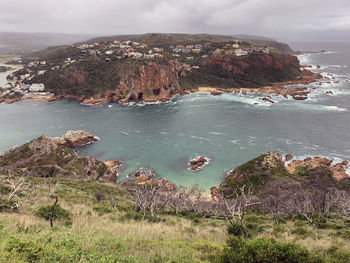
x: 101, y: 210
x: 238, y: 231
x: 24, y: 249
x: 300, y: 231
x: 6, y: 206
x: 240, y: 250
x: 59, y: 213
x: 138, y: 217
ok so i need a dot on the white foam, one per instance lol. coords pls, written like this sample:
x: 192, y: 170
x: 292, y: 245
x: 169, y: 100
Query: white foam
x: 217, y: 133
x: 199, y: 138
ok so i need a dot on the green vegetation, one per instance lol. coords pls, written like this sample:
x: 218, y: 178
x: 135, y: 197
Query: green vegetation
x: 265, y: 251
x: 100, y: 233
x: 257, y: 74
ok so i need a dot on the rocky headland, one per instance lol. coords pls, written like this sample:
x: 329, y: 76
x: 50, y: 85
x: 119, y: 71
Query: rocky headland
x: 47, y: 157
x: 270, y: 168
x: 127, y: 72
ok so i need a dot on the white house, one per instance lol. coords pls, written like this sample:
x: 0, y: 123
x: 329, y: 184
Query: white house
x: 37, y: 87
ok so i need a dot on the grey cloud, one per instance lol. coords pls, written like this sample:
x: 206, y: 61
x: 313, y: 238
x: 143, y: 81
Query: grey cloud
x: 282, y: 19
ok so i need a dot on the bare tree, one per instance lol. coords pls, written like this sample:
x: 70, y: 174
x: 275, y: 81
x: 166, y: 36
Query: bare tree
x: 52, y: 215
x: 235, y: 206
x: 343, y: 202
x: 148, y: 198
x: 312, y: 205
x: 18, y: 185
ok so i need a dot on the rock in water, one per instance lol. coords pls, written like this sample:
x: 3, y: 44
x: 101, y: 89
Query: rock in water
x: 75, y: 138
x: 197, y: 163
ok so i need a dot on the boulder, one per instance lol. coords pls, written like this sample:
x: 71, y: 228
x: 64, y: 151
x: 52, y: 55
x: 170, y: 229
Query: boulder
x: 288, y: 157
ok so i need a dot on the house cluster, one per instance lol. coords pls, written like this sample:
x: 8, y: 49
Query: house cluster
x: 197, y: 48
x: 236, y: 49
x: 22, y: 90
x: 128, y: 48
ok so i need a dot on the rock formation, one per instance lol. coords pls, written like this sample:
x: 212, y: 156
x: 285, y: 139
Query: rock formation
x: 148, y: 176
x: 75, y: 138
x: 197, y: 163
x: 43, y: 157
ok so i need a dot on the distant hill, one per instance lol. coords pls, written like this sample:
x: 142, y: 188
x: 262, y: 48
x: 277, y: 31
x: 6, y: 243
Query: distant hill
x: 164, y: 39
x: 252, y: 37
x: 20, y: 43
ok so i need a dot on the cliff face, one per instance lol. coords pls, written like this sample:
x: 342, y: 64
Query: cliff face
x: 150, y: 82
x: 126, y: 80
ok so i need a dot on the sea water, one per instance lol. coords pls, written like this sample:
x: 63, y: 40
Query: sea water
x: 229, y: 129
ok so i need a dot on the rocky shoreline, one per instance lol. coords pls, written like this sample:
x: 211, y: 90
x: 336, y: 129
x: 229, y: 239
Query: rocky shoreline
x: 296, y: 93
x: 52, y: 157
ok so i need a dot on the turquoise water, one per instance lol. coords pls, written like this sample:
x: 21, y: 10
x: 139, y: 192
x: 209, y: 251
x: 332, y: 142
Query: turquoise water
x: 229, y: 129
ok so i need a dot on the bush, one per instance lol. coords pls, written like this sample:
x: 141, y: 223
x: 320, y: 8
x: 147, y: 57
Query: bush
x: 101, y: 210
x: 238, y: 231
x: 139, y: 217
x: 23, y: 249
x: 6, y: 206
x: 240, y: 250
x: 59, y: 213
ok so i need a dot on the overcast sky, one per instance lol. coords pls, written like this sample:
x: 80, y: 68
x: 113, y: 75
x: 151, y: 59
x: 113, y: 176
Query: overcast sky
x: 280, y: 19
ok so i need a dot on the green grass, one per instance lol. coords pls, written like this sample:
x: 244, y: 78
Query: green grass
x: 99, y: 233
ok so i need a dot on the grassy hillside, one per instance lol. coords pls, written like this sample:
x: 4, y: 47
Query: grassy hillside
x: 97, y: 233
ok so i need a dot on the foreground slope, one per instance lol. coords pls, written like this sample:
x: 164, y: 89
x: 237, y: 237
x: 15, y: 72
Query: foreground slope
x: 103, y: 222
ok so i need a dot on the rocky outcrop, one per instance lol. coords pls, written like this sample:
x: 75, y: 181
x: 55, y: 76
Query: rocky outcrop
x: 338, y: 170
x: 265, y: 162
x: 75, y: 138
x: 43, y: 157
x: 148, y: 176
x: 309, y: 163
x: 288, y: 157
x: 270, y: 166
x: 198, y: 163
x: 113, y: 163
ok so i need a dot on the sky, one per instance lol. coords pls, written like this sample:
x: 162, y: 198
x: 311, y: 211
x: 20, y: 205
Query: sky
x: 279, y: 19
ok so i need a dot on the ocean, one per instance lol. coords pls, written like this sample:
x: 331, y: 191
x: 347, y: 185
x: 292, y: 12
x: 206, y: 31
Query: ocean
x: 230, y: 129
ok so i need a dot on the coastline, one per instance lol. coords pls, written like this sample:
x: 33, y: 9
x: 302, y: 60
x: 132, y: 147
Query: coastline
x: 279, y: 88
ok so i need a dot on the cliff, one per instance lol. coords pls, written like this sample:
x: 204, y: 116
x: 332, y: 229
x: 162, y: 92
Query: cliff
x: 127, y: 80
x: 252, y: 71
x: 44, y: 157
